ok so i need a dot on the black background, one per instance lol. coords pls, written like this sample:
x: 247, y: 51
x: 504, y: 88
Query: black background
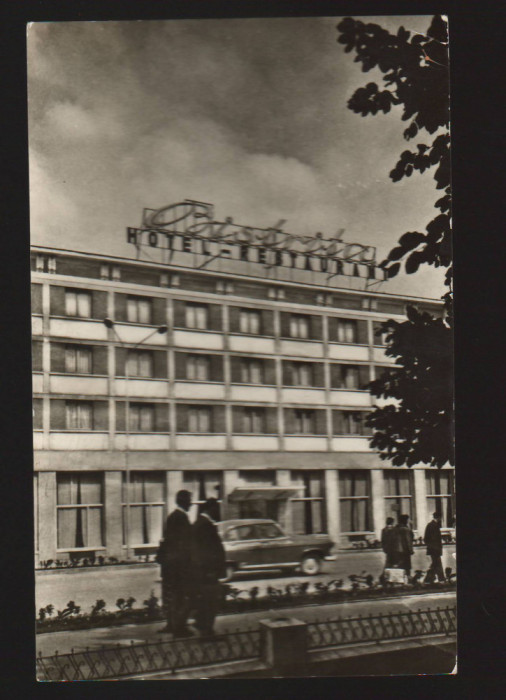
x: 477, y: 30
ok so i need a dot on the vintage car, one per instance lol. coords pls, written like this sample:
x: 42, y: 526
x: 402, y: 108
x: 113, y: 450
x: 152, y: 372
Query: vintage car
x: 258, y: 544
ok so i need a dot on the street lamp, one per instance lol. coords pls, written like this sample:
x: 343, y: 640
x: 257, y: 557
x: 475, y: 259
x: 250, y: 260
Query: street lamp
x: 108, y: 323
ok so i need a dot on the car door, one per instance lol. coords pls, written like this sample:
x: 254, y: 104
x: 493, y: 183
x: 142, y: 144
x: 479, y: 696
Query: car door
x: 242, y: 545
x: 275, y: 546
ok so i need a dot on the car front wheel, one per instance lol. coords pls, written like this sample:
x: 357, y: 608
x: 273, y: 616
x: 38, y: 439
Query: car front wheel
x: 311, y: 565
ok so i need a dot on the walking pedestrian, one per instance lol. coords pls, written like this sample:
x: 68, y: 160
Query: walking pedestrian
x: 404, y: 544
x: 209, y: 565
x: 389, y: 542
x: 434, y: 543
x: 174, y: 557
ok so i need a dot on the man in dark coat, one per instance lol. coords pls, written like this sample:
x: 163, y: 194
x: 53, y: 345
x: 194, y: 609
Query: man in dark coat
x: 389, y: 543
x: 434, y: 543
x: 209, y: 565
x: 404, y: 544
x: 174, y: 557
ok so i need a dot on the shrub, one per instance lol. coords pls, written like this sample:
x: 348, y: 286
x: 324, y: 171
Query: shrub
x: 98, y: 607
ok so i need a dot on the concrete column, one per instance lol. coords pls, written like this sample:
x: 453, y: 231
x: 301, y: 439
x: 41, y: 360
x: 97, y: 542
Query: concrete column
x: 173, y: 483
x: 47, y: 515
x: 420, y: 496
x: 332, y: 505
x: 285, y: 513
x: 113, y: 514
x: 377, y: 501
x: 230, y: 481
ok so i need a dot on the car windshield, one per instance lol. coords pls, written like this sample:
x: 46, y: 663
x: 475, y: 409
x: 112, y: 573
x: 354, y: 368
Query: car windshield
x: 268, y: 531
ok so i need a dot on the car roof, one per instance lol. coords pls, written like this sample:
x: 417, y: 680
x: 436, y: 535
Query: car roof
x: 247, y: 521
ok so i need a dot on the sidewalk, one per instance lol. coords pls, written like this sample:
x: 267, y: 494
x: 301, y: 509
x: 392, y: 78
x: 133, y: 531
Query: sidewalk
x: 64, y: 642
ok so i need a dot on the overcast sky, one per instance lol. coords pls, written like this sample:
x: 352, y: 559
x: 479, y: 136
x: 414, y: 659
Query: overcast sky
x: 247, y: 114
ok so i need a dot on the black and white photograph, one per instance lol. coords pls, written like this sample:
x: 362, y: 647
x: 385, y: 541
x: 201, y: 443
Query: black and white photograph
x: 242, y: 348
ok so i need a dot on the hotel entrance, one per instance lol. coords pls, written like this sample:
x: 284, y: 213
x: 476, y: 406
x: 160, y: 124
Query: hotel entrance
x: 272, y: 502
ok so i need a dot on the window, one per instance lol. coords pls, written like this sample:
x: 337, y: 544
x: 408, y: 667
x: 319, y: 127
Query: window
x: 138, y: 310
x: 78, y: 360
x: 308, y: 510
x: 77, y: 303
x: 398, y: 498
x: 253, y: 420
x: 346, y: 331
x: 202, y: 485
x: 251, y: 371
x: 139, y: 363
x: 304, y: 421
x: 78, y: 415
x: 141, y: 417
x: 299, y: 326
x: 268, y: 531
x: 197, y: 367
x: 301, y: 374
x: 379, y: 337
x: 147, y: 501
x: 440, y: 495
x: 244, y: 532
x: 350, y: 423
x: 199, y: 419
x: 249, y: 321
x: 196, y: 316
x: 79, y: 509
x: 350, y: 377
x: 354, y: 501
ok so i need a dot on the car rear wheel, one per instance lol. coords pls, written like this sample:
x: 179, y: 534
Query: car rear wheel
x: 311, y: 565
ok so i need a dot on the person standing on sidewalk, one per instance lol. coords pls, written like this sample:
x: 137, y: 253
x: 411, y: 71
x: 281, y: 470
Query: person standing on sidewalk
x: 434, y: 543
x: 404, y: 544
x: 389, y: 542
x: 209, y: 565
x: 174, y: 557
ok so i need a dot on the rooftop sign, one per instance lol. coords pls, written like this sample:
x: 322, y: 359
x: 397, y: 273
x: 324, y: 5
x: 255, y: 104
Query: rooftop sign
x: 190, y: 227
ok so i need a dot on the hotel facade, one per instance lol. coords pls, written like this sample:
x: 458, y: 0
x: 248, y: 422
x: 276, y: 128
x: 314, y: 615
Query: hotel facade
x: 227, y: 377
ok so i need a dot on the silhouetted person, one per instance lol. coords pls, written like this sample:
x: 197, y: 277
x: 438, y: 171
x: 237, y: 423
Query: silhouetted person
x: 209, y: 565
x: 389, y: 543
x: 174, y: 557
x: 404, y: 545
x: 434, y: 543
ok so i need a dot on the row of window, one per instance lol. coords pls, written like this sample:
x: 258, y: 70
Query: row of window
x: 148, y: 418
x: 81, y: 359
x: 79, y: 303
x: 81, y: 516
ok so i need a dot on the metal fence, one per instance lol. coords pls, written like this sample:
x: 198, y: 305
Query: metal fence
x: 382, y: 628
x: 171, y: 656
x: 133, y: 659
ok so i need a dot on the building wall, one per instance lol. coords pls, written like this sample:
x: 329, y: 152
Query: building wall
x: 201, y: 414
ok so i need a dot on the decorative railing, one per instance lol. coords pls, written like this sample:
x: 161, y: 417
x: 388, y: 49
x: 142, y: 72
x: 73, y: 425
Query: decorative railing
x: 176, y: 655
x: 381, y: 628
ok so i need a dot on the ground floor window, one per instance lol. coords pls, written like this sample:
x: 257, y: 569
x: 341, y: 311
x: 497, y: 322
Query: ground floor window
x: 440, y: 495
x: 355, y: 492
x: 80, y: 506
x: 308, y: 510
x: 146, y: 491
x: 398, y: 494
x: 203, y: 485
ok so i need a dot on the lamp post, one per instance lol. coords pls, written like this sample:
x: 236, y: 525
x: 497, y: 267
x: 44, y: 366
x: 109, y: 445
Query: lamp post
x: 108, y: 323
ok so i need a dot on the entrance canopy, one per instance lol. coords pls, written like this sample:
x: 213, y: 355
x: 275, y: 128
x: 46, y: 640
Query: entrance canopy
x: 267, y: 493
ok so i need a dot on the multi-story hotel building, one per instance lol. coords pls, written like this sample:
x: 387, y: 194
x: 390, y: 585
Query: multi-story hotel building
x: 230, y: 381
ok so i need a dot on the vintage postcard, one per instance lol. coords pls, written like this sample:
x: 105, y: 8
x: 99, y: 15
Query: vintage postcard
x: 242, y: 347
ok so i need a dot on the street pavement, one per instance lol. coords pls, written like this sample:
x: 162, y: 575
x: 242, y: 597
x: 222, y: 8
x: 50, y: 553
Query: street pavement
x: 109, y: 583
x: 78, y: 640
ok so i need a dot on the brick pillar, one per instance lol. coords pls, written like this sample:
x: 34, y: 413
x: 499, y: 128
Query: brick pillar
x: 332, y: 506
x: 378, y: 501
x: 47, y: 515
x: 420, y: 495
x: 113, y: 514
x: 229, y: 510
